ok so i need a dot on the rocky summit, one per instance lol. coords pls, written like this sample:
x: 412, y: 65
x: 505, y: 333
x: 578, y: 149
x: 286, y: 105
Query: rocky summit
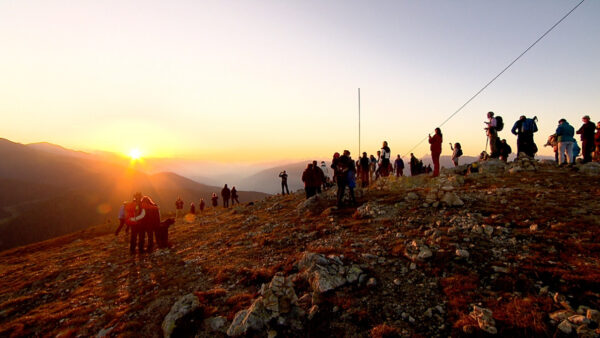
x: 507, y: 249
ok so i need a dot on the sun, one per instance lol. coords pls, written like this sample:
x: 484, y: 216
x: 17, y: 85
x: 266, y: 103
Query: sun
x: 135, y: 154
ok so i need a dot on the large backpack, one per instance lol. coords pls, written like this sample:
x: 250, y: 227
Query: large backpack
x: 529, y: 126
x: 499, y: 123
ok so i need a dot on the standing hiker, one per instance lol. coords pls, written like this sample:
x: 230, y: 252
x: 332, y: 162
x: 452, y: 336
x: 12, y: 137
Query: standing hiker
x: 201, y: 205
x: 284, y: 176
x: 178, y: 208
x: 225, y: 193
x: 414, y: 162
x: 309, y: 179
x: 597, y: 144
x: 234, y: 196
x: 385, y: 159
x: 524, y: 129
x: 122, y: 220
x: 399, y: 166
x: 344, y: 168
x: 436, y: 150
x: 456, y: 153
x: 587, y: 132
x: 319, y: 177
x: 325, y: 174
x: 494, y: 125
x: 192, y: 208
x: 564, y: 137
x: 365, y: 166
x: 214, y: 199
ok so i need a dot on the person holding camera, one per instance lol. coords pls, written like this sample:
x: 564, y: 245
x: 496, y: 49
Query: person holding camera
x: 284, y: 176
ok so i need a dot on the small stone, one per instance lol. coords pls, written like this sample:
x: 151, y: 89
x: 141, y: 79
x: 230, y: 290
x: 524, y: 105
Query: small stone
x: 272, y: 334
x: 413, y: 266
x: 372, y: 282
x: 397, y: 281
x: 462, y: 253
x: 560, y: 315
x: 579, y: 319
x: 429, y: 313
x: 593, y: 315
x: 533, y: 227
x: 565, y: 327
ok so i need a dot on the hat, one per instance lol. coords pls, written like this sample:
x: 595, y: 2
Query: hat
x: 587, y: 117
x: 562, y: 120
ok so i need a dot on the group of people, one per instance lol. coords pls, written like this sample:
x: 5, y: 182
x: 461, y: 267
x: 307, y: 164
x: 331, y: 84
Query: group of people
x: 563, y: 140
x: 565, y: 146
x: 226, y: 193
x: 142, y: 219
x: 314, y: 179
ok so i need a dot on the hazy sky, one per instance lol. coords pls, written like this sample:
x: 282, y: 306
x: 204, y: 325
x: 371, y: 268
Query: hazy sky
x: 273, y: 80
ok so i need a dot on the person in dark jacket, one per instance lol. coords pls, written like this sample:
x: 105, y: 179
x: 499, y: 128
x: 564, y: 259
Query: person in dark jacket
x: 596, y: 156
x: 344, y: 169
x: 284, y: 176
x: 399, y: 166
x: 524, y: 129
x: 201, y: 205
x: 319, y: 177
x: 436, y: 150
x: 365, y: 165
x: 226, y: 194
x: 214, y: 199
x: 308, y: 177
x: 505, y: 150
x: 147, y: 220
x: 414, y: 162
x: 587, y: 132
x: 192, y: 208
x: 234, y: 196
x: 386, y: 155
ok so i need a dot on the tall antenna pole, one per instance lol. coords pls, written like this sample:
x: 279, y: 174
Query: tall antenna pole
x: 358, y: 155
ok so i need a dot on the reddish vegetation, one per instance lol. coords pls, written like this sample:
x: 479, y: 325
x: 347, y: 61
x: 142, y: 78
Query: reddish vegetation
x: 87, y: 282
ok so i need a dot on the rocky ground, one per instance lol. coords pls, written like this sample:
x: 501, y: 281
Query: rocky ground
x: 510, y: 250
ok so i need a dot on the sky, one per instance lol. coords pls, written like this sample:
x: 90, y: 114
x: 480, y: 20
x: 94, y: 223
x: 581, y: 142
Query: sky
x: 260, y: 81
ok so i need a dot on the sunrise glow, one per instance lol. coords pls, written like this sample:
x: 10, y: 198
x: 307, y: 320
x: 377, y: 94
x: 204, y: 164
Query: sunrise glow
x: 135, y: 154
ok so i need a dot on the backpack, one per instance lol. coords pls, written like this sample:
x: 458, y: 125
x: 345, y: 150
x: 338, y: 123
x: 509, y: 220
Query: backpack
x: 529, y: 126
x: 499, y: 123
x: 459, y: 153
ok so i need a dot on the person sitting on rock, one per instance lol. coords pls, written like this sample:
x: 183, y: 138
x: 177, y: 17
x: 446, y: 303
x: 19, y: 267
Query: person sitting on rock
x: 505, y: 150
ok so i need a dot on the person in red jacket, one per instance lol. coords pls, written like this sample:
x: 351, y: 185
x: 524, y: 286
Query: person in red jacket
x: 436, y: 150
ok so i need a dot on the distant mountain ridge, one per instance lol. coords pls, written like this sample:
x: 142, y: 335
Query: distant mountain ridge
x: 47, y: 191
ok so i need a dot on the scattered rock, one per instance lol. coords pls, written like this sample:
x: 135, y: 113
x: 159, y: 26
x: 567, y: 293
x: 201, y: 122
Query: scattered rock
x: 565, y: 327
x: 180, y: 314
x: 462, y: 253
x: 484, y: 319
x: 314, y: 205
x: 215, y: 324
x: 278, y: 301
x: 452, y: 200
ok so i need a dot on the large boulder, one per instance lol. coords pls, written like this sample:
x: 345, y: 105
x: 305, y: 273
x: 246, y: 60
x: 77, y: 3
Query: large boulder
x: 590, y: 168
x: 278, y: 301
x: 180, y: 314
x: 493, y: 166
x: 314, y: 205
x: 327, y: 273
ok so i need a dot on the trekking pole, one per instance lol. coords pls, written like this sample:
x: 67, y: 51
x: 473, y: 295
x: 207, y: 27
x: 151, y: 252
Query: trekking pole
x: 487, y: 139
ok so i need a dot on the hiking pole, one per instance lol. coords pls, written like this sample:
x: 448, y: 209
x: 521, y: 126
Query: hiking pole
x: 487, y: 139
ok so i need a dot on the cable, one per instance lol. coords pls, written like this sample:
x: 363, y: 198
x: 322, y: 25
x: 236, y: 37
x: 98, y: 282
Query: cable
x: 499, y: 74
